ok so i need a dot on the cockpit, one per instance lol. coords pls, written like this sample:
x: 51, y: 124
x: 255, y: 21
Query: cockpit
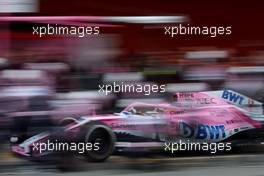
x: 144, y: 110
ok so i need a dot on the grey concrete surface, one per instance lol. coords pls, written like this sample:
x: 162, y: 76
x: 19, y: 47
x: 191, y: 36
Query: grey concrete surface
x: 223, y: 165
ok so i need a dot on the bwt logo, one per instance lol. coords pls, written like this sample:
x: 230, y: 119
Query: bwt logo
x: 233, y: 97
x: 202, y: 131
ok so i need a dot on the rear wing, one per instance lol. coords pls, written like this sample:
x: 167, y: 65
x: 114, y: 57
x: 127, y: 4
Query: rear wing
x: 238, y: 99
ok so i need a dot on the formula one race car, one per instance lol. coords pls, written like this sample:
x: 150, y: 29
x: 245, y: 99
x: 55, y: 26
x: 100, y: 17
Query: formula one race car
x: 202, y: 117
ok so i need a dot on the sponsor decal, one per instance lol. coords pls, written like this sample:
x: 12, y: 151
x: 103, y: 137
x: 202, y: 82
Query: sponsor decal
x: 202, y: 131
x: 234, y: 121
x: 189, y: 97
x: 205, y: 101
x: 251, y: 102
x: 233, y: 97
x: 119, y: 125
x: 185, y: 95
x: 218, y: 112
x: 177, y: 112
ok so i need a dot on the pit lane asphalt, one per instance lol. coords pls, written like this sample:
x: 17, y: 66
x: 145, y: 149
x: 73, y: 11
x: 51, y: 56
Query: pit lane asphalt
x: 222, y: 165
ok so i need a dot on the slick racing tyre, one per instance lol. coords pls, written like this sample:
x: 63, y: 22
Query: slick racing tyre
x: 102, y: 139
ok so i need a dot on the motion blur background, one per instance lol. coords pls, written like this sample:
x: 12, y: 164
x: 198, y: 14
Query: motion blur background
x: 58, y: 76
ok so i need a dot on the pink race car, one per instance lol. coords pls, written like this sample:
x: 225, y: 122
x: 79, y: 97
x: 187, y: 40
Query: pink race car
x: 202, y: 117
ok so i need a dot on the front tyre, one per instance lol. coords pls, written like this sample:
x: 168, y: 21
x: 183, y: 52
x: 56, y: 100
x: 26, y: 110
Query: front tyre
x: 102, y: 139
